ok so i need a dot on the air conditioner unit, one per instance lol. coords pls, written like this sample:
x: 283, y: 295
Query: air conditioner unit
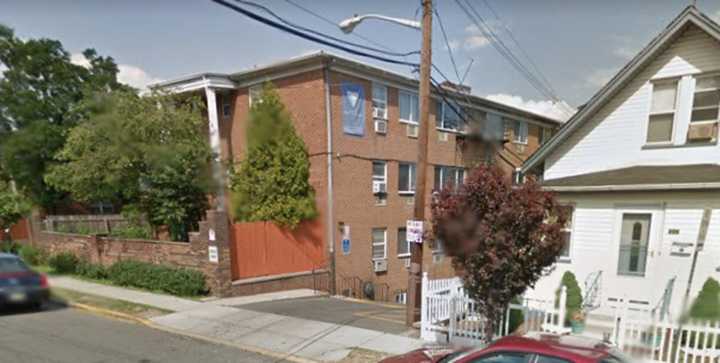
x: 381, y: 126
x: 379, y: 187
x: 412, y: 130
x: 380, y: 265
x: 702, y: 131
x: 442, y: 136
x: 379, y: 113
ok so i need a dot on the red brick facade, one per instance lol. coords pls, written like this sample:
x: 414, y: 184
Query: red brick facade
x: 354, y: 204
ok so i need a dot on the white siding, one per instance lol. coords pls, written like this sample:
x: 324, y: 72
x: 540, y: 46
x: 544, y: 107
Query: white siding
x: 595, y: 245
x: 614, y: 137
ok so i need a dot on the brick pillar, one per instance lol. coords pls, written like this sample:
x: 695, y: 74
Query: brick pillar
x: 217, y: 234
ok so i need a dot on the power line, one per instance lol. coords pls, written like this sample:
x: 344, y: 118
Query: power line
x: 320, y: 34
x: 306, y: 36
x: 354, y: 33
x: 449, y: 48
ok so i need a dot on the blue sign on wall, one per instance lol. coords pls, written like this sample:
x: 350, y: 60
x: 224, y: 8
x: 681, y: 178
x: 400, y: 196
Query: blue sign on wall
x: 353, y: 108
x: 346, y: 246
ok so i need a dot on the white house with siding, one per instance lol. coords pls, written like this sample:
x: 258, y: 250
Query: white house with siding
x: 640, y: 166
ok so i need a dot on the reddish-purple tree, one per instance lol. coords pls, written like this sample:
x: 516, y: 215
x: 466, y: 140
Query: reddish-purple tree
x: 500, y: 236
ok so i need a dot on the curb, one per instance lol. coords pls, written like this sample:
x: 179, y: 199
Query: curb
x: 150, y: 324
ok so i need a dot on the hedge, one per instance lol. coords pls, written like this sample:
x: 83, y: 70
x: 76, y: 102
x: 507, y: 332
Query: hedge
x: 172, y: 280
x: 32, y: 255
x: 64, y: 263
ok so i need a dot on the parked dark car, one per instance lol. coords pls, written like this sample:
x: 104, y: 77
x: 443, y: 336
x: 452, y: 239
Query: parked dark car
x: 538, y: 348
x: 20, y: 285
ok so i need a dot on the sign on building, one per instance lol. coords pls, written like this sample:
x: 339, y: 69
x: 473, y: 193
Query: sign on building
x: 346, y: 240
x: 414, y: 231
x: 213, y: 254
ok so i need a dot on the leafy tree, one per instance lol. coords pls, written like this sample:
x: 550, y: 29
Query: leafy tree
x: 13, y: 206
x: 40, y: 95
x: 148, y: 153
x: 707, y: 304
x: 500, y: 237
x: 272, y: 181
x: 573, y: 302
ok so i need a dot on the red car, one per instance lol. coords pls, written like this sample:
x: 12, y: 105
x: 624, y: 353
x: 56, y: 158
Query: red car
x: 540, y: 348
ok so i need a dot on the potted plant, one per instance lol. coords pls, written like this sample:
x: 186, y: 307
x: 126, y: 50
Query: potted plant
x: 577, y: 321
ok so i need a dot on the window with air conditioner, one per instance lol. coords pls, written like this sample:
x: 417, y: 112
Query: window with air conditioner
x: 406, y: 178
x: 448, y: 177
x: 379, y: 244
x: 661, y: 120
x: 379, y: 102
x: 447, y: 117
x: 379, y: 181
x: 408, y: 104
x: 704, y: 116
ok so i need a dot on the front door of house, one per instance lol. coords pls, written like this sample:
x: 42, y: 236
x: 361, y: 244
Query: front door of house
x: 637, y: 240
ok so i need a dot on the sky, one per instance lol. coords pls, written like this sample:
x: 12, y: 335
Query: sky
x: 576, y: 45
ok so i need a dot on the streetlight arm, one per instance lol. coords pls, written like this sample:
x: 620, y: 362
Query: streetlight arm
x: 348, y: 25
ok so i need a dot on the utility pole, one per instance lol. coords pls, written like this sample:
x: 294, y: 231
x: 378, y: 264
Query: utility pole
x: 416, y: 249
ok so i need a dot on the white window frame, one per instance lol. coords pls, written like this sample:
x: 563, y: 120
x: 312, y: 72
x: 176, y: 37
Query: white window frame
x: 413, y: 97
x: 692, y: 102
x: 383, y: 243
x: 383, y: 101
x: 570, y: 228
x: 441, y: 118
x: 449, y: 168
x: 407, y: 254
x: 676, y: 81
x: 257, y: 90
x: 412, y: 170
x: 520, y: 132
x: 382, y: 178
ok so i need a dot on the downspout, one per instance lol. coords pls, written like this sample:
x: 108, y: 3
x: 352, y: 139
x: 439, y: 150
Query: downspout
x: 329, y: 221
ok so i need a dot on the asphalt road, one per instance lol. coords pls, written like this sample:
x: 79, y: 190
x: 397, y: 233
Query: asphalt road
x: 68, y: 335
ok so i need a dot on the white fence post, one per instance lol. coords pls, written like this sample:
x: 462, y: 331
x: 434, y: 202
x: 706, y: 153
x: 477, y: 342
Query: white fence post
x: 425, y: 333
x: 561, y: 308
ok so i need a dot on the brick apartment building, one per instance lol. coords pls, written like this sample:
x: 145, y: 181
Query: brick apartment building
x: 363, y: 164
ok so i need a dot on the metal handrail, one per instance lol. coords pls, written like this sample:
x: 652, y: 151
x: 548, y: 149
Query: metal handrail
x: 664, y: 303
x: 592, y: 288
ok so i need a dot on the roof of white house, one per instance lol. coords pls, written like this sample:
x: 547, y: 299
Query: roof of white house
x: 690, y: 15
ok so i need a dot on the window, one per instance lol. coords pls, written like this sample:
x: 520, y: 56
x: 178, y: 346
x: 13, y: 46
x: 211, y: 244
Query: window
x: 408, y: 107
x: 379, y: 175
x: 706, y: 100
x: 448, y: 176
x: 517, y: 177
x: 255, y: 94
x: 226, y: 106
x: 503, y: 357
x: 379, y: 101
x: 438, y: 251
x: 406, y: 178
x: 634, y: 237
x: 567, y: 232
x: 662, y: 112
x: 403, y: 246
x: 519, y: 130
x: 379, y: 243
x: 447, y: 117
x: 545, y: 135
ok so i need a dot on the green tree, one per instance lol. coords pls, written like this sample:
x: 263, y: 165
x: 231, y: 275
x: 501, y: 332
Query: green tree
x: 272, y: 182
x: 40, y: 95
x: 707, y: 304
x: 573, y: 302
x: 13, y: 206
x: 148, y: 153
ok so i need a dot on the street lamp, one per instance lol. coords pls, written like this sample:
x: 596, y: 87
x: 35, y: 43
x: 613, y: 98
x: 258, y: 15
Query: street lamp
x: 416, y: 249
x: 349, y: 24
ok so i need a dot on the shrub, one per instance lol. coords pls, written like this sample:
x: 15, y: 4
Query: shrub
x: 707, y: 304
x: 9, y: 247
x: 32, y: 255
x: 64, y: 263
x: 132, y: 231
x: 172, y: 280
x: 91, y: 270
x: 573, y: 303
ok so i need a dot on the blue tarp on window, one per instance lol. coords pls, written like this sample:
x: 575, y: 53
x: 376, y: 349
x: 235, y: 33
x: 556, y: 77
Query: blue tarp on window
x: 353, y: 104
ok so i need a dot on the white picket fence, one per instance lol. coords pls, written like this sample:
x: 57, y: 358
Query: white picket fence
x: 448, y: 315
x: 666, y: 340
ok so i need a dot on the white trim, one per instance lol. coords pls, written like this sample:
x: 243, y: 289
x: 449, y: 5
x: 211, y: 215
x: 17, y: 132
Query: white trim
x: 373, y: 243
x: 271, y: 77
x: 214, y: 135
x: 676, y: 81
x: 412, y: 170
x: 198, y: 83
x: 669, y: 186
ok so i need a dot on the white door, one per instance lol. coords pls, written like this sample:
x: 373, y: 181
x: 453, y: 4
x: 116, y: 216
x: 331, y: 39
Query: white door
x: 634, y: 275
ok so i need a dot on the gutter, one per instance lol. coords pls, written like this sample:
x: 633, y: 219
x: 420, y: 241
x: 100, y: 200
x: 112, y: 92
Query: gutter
x: 330, y: 213
x: 629, y: 187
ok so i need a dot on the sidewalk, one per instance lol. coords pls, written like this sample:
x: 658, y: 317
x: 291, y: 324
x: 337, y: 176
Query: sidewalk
x: 280, y: 334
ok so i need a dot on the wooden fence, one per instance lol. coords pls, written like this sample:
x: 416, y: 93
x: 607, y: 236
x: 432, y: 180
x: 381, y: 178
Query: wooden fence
x: 264, y: 249
x: 84, y: 223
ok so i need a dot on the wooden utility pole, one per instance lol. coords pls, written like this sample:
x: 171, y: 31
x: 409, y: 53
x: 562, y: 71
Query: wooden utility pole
x: 416, y: 249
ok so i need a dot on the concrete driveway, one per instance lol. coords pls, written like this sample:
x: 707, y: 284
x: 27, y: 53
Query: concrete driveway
x: 385, y: 318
